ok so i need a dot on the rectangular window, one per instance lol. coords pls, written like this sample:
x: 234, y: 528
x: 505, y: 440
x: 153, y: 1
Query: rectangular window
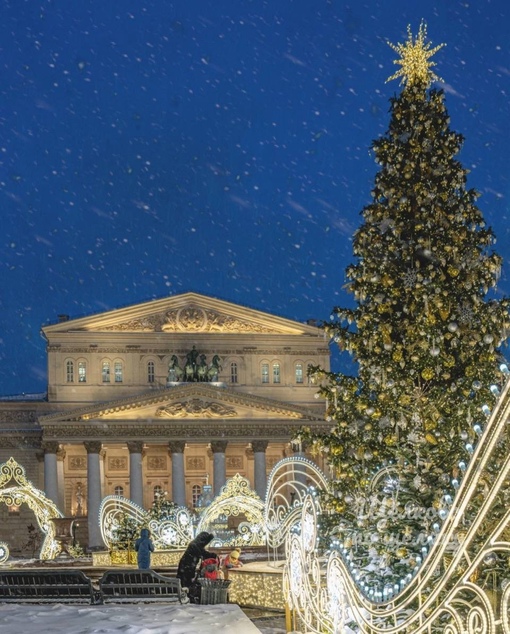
x: 233, y: 372
x: 105, y: 372
x: 265, y: 373
x: 299, y: 373
x: 70, y: 372
x: 117, y: 368
x: 276, y: 373
x: 82, y: 372
x: 150, y: 372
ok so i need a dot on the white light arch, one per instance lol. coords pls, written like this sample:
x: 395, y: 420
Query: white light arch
x: 16, y: 490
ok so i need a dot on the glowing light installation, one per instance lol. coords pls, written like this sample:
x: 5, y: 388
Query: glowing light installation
x: 175, y: 532
x: 16, y: 490
x: 4, y: 552
x: 446, y: 592
x: 264, y: 523
x: 236, y: 499
x: 286, y: 493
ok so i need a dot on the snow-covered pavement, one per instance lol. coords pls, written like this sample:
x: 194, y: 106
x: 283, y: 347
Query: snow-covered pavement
x: 129, y: 619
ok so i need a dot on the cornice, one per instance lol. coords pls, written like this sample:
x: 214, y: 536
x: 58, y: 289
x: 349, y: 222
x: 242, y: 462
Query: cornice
x: 164, y: 349
x: 17, y: 416
x: 187, y: 431
x: 13, y: 439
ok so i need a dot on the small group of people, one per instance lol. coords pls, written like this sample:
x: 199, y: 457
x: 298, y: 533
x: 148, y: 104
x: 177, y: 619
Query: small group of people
x: 212, y: 566
x: 189, y: 571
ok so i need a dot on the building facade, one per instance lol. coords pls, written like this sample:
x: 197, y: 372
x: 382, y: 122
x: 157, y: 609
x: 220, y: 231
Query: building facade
x: 161, y: 398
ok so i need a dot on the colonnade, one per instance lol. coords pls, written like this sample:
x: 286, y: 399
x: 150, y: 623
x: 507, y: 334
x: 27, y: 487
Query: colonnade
x: 54, y: 475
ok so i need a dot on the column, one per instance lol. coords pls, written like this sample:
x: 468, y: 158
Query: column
x: 218, y: 448
x: 50, y: 470
x: 135, y: 472
x: 259, y: 457
x: 61, y: 454
x: 176, y: 448
x: 93, y: 494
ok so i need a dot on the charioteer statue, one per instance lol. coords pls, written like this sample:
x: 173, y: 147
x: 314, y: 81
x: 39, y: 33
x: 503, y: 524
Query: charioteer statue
x: 196, y: 368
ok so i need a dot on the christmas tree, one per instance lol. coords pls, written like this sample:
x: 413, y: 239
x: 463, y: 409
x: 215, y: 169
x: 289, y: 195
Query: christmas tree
x: 426, y: 332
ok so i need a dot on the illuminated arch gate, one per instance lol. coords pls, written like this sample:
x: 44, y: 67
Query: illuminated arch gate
x: 16, y: 490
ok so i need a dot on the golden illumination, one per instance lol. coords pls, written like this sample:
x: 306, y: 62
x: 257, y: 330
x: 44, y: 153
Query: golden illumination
x: 16, y: 490
x: 236, y: 499
x: 415, y: 59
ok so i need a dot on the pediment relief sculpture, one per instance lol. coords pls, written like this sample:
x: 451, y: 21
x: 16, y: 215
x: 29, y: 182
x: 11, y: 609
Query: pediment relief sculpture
x: 196, y: 407
x: 196, y: 319
x: 191, y: 319
x: 152, y: 323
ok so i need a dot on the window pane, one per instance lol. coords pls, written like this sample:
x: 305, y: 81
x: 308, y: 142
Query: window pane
x: 265, y: 373
x: 82, y: 372
x: 150, y: 372
x: 233, y: 372
x: 299, y: 373
x: 276, y: 372
x: 196, y: 492
x: 119, y: 490
x: 118, y: 371
x: 70, y: 372
x: 106, y: 372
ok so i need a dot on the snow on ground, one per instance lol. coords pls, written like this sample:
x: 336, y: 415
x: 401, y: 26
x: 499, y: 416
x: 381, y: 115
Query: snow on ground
x: 129, y: 619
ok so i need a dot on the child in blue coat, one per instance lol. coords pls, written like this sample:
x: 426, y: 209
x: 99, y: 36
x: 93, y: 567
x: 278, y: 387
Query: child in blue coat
x: 144, y: 547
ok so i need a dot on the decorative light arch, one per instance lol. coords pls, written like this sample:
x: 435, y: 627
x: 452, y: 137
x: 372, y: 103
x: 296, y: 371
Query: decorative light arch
x: 236, y: 498
x: 16, y: 490
x: 175, y: 532
x: 286, y: 492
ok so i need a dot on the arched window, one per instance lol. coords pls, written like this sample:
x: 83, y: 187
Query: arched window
x: 105, y: 372
x: 119, y: 490
x: 265, y: 372
x: 299, y: 372
x: 157, y: 492
x: 117, y: 370
x: 276, y: 373
x: 150, y: 372
x: 196, y: 492
x: 70, y: 371
x: 82, y: 371
x: 233, y: 372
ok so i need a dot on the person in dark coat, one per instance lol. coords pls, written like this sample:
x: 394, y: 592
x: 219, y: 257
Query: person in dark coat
x: 144, y: 546
x: 195, y: 551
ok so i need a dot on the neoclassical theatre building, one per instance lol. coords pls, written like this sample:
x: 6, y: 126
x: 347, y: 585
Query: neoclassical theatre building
x: 160, y: 397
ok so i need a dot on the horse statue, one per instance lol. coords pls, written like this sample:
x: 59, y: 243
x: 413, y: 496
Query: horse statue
x: 214, y: 368
x: 202, y: 369
x: 174, y: 371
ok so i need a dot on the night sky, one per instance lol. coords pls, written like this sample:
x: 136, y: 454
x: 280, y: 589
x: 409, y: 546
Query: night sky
x: 149, y: 148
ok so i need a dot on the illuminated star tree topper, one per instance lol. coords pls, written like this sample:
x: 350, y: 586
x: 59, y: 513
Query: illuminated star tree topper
x: 415, y: 58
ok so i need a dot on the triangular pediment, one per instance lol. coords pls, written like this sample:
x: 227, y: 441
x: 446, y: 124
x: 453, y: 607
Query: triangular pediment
x: 185, y: 313
x: 193, y: 401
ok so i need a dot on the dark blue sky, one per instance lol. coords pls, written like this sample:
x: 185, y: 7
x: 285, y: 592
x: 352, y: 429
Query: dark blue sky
x: 149, y: 148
